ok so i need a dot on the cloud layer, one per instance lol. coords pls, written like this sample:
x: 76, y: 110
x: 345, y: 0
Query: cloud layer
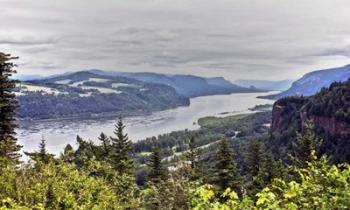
x: 238, y: 39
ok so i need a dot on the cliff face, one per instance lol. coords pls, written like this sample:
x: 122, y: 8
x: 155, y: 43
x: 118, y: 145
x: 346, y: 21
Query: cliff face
x: 283, y: 116
x: 331, y: 125
x: 329, y: 109
x: 276, y: 117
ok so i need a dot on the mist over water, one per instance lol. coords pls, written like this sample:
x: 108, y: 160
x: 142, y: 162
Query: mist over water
x: 59, y: 133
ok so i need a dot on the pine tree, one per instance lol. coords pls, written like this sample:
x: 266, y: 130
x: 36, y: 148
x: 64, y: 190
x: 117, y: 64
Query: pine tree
x: 42, y: 155
x: 9, y: 149
x: 261, y: 167
x: 226, y: 172
x: 193, y: 157
x: 106, y: 143
x: 121, y: 150
x: 305, y: 145
x: 68, y: 154
x: 157, y: 172
x: 49, y: 197
x: 255, y: 157
x: 84, y: 154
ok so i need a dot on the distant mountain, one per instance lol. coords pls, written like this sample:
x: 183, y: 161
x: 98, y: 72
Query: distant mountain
x: 187, y: 85
x: 266, y: 84
x: 25, y: 77
x: 85, y: 94
x: 312, y: 82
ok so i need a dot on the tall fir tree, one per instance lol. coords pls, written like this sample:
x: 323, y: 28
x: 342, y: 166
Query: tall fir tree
x: 9, y: 149
x: 121, y: 149
x: 105, y: 143
x: 306, y: 143
x: 262, y: 167
x: 68, y: 154
x: 255, y: 157
x: 192, y: 156
x: 226, y: 172
x: 157, y: 172
x: 42, y: 155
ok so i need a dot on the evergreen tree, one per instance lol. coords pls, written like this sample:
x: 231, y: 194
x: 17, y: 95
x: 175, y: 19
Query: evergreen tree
x: 42, y: 155
x: 305, y: 144
x: 49, y: 197
x: 255, y: 157
x: 68, y: 154
x: 226, y: 172
x: 157, y: 172
x: 84, y: 154
x: 193, y: 157
x: 105, y: 143
x: 8, y: 143
x: 262, y: 167
x: 121, y: 150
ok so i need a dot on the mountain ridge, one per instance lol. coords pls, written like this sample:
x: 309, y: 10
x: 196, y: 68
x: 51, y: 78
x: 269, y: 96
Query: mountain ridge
x: 188, y: 85
x: 312, y: 82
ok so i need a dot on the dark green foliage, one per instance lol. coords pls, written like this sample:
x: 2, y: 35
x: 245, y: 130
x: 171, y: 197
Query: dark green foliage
x: 331, y: 102
x: 157, y: 171
x: 305, y: 144
x: 49, y: 198
x: 262, y: 167
x: 121, y: 148
x: 225, y: 171
x: 68, y: 154
x: 105, y: 143
x: 193, y: 157
x: 255, y: 157
x: 84, y: 153
x: 8, y: 142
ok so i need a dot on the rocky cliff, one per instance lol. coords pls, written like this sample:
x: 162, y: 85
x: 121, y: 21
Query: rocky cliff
x: 329, y: 110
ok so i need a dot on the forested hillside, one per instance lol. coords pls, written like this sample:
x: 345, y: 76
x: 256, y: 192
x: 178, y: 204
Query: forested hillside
x: 84, y: 94
x: 328, y: 110
x: 223, y: 165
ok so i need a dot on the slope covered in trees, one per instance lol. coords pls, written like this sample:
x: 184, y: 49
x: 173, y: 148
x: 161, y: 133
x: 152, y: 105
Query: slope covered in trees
x: 328, y: 110
x: 84, y: 94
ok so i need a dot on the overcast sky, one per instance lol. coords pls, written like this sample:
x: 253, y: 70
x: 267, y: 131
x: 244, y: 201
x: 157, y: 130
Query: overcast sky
x: 238, y: 39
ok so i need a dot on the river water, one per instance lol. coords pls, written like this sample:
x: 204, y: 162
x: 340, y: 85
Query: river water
x: 59, y: 133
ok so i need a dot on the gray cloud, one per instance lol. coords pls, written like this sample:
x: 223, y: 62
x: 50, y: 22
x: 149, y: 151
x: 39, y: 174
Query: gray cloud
x: 235, y: 39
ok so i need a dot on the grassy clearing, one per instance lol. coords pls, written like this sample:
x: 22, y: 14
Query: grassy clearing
x: 216, y: 121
